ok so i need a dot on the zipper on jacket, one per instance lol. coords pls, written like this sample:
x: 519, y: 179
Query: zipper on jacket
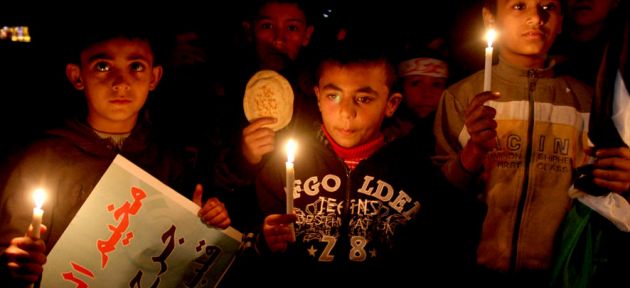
x: 532, y: 78
x: 344, y: 240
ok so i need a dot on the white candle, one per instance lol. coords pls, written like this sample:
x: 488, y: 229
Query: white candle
x: 487, y: 75
x: 38, y: 212
x: 290, y: 178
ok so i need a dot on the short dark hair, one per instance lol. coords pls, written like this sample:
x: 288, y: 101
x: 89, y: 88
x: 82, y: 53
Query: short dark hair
x: 491, y: 5
x: 306, y: 6
x: 89, y: 34
x: 351, y: 52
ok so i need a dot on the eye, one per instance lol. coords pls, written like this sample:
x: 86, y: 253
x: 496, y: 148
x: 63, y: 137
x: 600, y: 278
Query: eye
x: 519, y: 6
x: 101, y: 66
x: 364, y: 99
x: 334, y: 97
x: 265, y: 25
x: 137, y: 67
x: 293, y: 28
x: 550, y: 7
x: 415, y: 83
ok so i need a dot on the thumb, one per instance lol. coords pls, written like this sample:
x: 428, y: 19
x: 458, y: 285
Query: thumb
x: 198, y: 195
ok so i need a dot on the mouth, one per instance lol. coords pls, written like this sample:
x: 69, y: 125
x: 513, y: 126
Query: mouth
x: 345, y: 132
x: 534, y: 35
x: 120, y: 101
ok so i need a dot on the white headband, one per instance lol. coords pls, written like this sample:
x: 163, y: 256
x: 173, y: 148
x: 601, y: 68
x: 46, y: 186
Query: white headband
x: 424, y: 66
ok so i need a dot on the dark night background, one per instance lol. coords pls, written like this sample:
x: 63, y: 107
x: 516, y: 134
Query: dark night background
x: 36, y: 94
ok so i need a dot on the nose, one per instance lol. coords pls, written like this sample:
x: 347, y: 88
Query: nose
x: 279, y: 38
x: 537, y: 16
x: 120, y: 83
x: 347, y: 108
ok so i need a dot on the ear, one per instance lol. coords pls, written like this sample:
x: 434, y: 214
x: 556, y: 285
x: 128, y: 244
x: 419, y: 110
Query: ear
x: 156, y: 75
x: 248, y: 30
x: 73, y: 73
x: 316, y: 89
x: 392, y: 104
x: 488, y: 18
x: 307, y: 37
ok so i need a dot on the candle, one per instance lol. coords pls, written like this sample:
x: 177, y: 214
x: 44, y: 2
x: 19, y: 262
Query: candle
x: 290, y: 178
x: 487, y: 75
x: 39, y: 196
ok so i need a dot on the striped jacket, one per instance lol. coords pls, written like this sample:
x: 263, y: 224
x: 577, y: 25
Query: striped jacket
x: 541, y: 136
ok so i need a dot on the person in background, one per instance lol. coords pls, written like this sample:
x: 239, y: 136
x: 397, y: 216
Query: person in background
x: 580, y: 47
x: 116, y: 68
x: 424, y: 77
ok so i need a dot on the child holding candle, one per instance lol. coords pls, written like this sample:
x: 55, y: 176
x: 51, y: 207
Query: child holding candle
x: 115, y: 68
x: 360, y: 215
x: 521, y: 146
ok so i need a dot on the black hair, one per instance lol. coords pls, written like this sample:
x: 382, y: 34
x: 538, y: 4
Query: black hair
x: 360, y: 51
x: 89, y: 34
x: 491, y: 5
x: 306, y: 6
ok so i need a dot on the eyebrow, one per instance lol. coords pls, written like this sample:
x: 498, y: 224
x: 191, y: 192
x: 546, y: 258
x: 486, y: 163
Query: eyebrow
x: 105, y: 56
x: 263, y: 17
x: 366, y: 89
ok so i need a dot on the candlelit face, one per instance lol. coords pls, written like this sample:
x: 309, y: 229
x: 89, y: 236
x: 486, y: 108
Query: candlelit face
x: 280, y: 31
x: 527, y: 29
x: 353, y: 100
x: 116, y: 77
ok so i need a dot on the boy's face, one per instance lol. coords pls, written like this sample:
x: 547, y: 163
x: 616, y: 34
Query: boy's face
x: 280, y: 31
x: 527, y: 29
x: 116, y: 77
x: 590, y: 12
x: 353, y: 100
x: 422, y: 93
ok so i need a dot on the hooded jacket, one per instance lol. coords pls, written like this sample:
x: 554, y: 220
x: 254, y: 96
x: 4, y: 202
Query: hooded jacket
x: 68, y: 162
x: 388, y: 221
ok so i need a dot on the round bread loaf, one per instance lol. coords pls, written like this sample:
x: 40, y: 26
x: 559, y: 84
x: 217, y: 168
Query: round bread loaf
x: 269, y: 94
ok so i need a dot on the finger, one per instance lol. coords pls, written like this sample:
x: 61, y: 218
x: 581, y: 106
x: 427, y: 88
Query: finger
x: 259, y: 123
x: 198, y: 195
x: 620, y: 152
x: 481, y: 98
x: 211, y: 204
x: 613, y: 163
x: 280, y: 219
x: 615, y: 186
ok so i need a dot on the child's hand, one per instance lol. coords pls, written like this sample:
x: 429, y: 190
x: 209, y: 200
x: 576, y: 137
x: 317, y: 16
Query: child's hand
x: 277, y: 231
x: 612, y: 169
x: 480, y: 122
x: 482, y: 129
x: 213, y: 213
x: 25, y: 258
x: 258, y: 140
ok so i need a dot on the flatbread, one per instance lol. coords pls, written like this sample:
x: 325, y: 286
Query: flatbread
x: 269, y: 94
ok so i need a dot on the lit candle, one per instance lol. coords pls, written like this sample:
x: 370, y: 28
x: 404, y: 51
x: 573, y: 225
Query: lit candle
x: 290, y: 178
x: 487, y: 75
x: 39, y: 196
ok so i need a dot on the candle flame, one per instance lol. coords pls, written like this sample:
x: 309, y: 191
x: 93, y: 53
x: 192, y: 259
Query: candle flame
x: 291, y: 147
x: 39, y: 195
x: 490, y: 36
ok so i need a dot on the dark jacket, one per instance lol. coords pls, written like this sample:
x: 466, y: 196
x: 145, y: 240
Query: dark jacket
x: 68, y: 162
x: 402, y: 223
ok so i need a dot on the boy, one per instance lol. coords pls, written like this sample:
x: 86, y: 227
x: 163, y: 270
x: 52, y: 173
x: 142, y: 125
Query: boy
x: 359, y: 215
x: 424, y: 77
x: 522, y: 146
x: 116, y: 71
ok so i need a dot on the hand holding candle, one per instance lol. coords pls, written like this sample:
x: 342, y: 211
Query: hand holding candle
x: 290, y: 178
x: 487, y: 75
x: 39, y: 196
